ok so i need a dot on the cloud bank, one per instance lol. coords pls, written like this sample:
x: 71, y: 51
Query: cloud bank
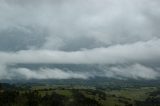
x: 121, y: 36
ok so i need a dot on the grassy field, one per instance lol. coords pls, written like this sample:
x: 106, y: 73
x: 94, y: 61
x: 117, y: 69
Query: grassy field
x: 133, y: 93
x: 119, y: 97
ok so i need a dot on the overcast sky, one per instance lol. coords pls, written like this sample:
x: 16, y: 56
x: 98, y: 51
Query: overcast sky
x: 121, y: 36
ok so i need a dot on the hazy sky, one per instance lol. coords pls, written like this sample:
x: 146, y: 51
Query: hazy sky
x: 121, y: 36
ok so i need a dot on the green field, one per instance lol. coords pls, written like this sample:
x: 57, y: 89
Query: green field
x: 53, y: 95
x: 119, y: 97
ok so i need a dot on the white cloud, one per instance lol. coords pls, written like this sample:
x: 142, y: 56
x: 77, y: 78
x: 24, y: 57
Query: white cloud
x: 45, y: 73
x: 140, y: 52
x: 134, y: 71
x: 3, y: 71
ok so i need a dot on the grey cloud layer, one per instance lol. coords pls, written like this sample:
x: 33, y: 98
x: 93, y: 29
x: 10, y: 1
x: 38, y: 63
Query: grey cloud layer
x: 140, y: 52
x: 137, y: 71
x: 77, y: 24
x: 139, y: 60
x: 122, y: 33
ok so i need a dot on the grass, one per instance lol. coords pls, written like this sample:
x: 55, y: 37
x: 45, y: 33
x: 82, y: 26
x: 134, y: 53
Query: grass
x: 133, y: 93
x: 67, y: 93
x: 111, y: 101
x: 113, y: 96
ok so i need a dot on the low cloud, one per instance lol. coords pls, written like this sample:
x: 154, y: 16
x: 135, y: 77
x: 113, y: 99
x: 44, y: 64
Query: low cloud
x: 135, y: 71
x: 138, y: 60
x: 44, y: 73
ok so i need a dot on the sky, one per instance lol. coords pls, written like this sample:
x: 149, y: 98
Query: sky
x: 120, y: 37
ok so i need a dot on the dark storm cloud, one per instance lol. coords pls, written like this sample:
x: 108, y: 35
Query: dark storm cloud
x: 105, y: 32
x: 106, y: 22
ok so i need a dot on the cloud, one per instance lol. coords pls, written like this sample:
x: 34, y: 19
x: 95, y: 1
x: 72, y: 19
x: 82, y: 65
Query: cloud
x: 73, y: 25
x: 135, y: 71
x: 44, y: 73
x: 140, y: 52
x: 3, y: 71
x: 121, y: 33
x: 138, y: 60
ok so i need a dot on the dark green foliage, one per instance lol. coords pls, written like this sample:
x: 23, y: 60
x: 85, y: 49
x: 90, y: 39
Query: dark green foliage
x: 8, y: 97
x: 81, y: 100
x: 33, y: 98
x: 63, y: 96
x: 53, y: 100
x: 152, y: 100
x: 30, y: 98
